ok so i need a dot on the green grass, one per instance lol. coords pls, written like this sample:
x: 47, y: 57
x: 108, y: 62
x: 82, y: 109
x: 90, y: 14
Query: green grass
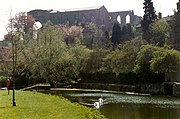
x: 34, y: 105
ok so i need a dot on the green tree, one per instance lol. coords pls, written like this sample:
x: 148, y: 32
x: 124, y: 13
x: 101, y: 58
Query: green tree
x: 116, y: 34
x: 122, y: 60
x: 93, y: 63
x: 17, y: 27
x: 89, y: 34
x: 127, y: 32
x: 94, y: 37
x: 80, y: 54
x: 38, y: 54
x: 59, y: 62
x: 165, y: 60
x: 102, y: 41
x: 159, y: 32
x: 148, y: 18
x: 71, y: 33
x: 144, y: 56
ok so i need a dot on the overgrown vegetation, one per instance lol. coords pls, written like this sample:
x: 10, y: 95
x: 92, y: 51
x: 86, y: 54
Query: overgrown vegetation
x: 64, y: 54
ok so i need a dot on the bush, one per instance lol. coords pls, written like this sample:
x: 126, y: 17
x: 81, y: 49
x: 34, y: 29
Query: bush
x: 3, y: 81
x: 123, y: 78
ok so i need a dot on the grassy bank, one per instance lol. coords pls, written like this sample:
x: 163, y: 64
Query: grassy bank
x: 33, y: 105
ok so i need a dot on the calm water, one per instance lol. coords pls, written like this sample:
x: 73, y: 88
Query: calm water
x: 127, y: 106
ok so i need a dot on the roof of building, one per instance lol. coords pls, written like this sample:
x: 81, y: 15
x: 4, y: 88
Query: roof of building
x: 69, y: 10
x: 81, y: 9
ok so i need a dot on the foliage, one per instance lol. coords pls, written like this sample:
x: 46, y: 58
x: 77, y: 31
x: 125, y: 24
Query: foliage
x: 165, y: 60
x: 17, y: 27
x: 93, y: 63
x: 79, y: 54
x: 94, y: 37
x: 71, y: 33
x: 148, y: 18
x: 143, y: 59
x: 3, y: 81
x: 120, y: 35
x: 49, y: 59
x: 89, y: 33
x: 174, y: 41
x: 21, y: 23
x: 159, y: 30
x: 116, y: 34
x: 60, y: 54
x: 127, y: 32
x: 122, y: 60
x: 34, y: 57
x: 57, y: 64
x: 101, y: 41
x: 157, y: 59
x: 33, y: 105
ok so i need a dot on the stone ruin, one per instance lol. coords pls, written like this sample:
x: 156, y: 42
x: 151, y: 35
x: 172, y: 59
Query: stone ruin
x: 98, y: 15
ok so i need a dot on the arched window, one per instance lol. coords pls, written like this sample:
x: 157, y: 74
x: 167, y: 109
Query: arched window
x: 119, y: 19
x: 110, y: 17
x: 128, y: 19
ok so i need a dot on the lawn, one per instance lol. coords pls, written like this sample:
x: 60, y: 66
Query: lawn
x: 34, y: 105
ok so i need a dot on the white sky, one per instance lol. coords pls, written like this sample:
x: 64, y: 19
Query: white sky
x: 164, y: 6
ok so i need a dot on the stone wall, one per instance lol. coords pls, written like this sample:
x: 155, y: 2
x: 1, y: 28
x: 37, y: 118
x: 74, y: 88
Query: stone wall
x: 172, y: 77
x: 99, y: 16
x: 172, y: 88
x: 176, y: 90
x: 147, y: 89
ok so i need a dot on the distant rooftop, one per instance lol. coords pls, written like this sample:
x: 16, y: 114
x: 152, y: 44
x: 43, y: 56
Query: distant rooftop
x: 80, y: 9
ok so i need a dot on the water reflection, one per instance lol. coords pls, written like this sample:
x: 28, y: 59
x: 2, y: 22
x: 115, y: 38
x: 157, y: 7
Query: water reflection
x: 123, y: 106
x: 139, y: 111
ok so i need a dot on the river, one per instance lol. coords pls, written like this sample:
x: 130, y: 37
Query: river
x: 118, y: 105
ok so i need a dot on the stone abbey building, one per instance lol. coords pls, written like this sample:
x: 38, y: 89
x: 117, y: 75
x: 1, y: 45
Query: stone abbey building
x: 98, y: 15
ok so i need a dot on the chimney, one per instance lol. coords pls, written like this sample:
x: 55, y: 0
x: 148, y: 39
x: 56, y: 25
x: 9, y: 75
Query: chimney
x: 159, y: 15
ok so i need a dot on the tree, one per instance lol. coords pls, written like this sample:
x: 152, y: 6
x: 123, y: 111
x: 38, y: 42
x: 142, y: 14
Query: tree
x: 165, y: 60
x: 148, y: 18
x: 159, y: 31
x: 116, y: 34
x: 16, y: 32
x: 70, y: 33
x: 54, y: 61
x: 122, y: 60
x: 144, y: 56
x: 127, y: 32
x: 93, y: 63
x: 101, y: 40
x: 80, y: 55
x: 95, y: 37
x: 51, y: 47
x: 21, y: 22
x: 89, y: 33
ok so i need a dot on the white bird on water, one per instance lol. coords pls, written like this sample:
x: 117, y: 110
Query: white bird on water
x: 99, y: 103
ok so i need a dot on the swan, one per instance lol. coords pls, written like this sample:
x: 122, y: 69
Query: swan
x: 99, y: 103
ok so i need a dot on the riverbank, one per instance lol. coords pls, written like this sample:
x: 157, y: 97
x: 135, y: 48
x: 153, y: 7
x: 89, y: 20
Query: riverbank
x: 34, y: 105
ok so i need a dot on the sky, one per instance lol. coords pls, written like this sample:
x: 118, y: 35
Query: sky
x: 164, y: 6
